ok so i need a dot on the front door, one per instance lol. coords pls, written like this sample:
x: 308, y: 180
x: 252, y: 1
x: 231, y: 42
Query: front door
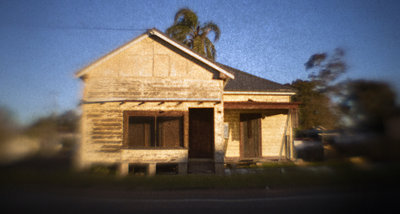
x: 250, y: 135
x: 201, y: 133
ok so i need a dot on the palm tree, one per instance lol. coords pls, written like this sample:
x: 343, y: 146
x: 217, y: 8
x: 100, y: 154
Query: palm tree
x: 188, y: 30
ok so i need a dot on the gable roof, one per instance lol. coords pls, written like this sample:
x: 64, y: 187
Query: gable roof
x: 239, y: 80
x: 162, y: 36
x: 246, y: 82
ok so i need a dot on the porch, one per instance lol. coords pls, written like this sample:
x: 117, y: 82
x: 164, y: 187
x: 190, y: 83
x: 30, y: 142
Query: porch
x: 259, y: 131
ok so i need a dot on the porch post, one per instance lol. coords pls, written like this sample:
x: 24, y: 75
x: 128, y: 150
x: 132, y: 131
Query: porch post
x: 291, y: 135
x: 219, y: 139
x: 123, y: 169
x: 151, y: 169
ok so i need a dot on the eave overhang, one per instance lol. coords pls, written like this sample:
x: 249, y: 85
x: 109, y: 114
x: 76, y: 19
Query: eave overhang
x: 261, y: 105
x: 281, y: 93
x: 162, y: 36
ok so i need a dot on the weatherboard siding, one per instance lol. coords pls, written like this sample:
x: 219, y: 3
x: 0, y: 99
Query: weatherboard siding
x: 145, y: 76
x: 149, y: 74
x: 149, y: 69
x: 102, y: 133
x: 273, y: 127
x: 273, y: 124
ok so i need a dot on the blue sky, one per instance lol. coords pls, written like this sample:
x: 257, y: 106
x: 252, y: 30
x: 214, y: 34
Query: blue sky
x: 43, y: 43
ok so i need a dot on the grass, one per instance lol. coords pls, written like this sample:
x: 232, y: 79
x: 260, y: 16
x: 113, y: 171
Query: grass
x: 270, y: 176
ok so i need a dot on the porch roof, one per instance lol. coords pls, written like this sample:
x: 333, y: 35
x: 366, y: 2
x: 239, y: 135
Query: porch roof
x: 261, y: 105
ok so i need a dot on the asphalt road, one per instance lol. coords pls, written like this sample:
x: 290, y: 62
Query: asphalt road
x: 197, y: 201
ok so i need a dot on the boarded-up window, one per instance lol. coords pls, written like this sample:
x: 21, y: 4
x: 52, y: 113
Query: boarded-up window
x: 141, y: 131
x: 154, y: 130
x: 169, y: 131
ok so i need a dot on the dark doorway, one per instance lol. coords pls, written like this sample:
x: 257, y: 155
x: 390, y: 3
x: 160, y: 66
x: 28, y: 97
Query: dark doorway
x: 201, y: 133
x: 250, y: 135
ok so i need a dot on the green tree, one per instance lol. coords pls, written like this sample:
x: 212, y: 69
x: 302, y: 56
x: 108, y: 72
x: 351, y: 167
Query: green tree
x: 316, y: 108
x: 368, y: 104
x: 43, y: 128
x: 370, y: 107
x: 53, y: 124
x: 326, y: 69
x: 315, y: 94
x: 67, y: 122
x: 188, y: 30
x: 8, y: 126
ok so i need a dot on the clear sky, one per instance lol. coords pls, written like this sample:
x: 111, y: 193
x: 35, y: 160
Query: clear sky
x: 43, y: 43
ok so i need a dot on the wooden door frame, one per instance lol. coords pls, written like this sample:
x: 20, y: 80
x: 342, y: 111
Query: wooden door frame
x: 241, y: 136
x: 213, y: 130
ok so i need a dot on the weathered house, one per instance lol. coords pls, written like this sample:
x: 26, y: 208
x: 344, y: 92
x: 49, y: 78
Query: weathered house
x: 153, y: 102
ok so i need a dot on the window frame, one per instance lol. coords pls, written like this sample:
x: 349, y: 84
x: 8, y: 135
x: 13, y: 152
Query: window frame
x: 155, y: 114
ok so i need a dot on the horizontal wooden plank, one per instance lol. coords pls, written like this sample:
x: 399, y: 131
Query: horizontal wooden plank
x: 106, y: 137
x: 144, y: 100
x: 108, y: 124
x: 106, y: 128
x: 111, y: 147
x: 105, y: 93
x: 155, y: 113
x: 119, y: 88
x: 106, y: 133
x: 108, y: 142
x: 93, y: 115
x: 115, y: 151
x: 103, y: 112
x: 113, y: 120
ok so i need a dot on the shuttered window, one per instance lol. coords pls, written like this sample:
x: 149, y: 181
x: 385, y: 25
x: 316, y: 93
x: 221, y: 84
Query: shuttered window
x: 141, y: 131
x: 152, y: 129
x: 169, y: 131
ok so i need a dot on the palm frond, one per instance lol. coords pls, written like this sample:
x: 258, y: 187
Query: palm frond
x: 211, y: 26
x: 198, y: 46
x: 179, y: 32
x: 211, y: 53
x: 187, y: 30
x: 187, y: 17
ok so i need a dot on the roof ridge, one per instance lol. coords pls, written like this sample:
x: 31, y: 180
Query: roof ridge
x: 155, y: 32
x: 197, y: 55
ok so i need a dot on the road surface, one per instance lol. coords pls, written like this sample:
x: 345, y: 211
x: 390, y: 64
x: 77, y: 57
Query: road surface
x: 197, y: 201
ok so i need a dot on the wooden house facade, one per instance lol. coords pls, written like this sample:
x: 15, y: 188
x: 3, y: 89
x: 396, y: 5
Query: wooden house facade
x: 153, y: 102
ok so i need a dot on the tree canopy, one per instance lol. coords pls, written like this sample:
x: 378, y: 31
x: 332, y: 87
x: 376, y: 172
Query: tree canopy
x: 326, y: 69
x: 189, y: 31
x: 316, y: 108
x: 66, y: 122
x: 8, y: 126
x: 369, y: 104
x: 359, y: 104
x: 314, y: 94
